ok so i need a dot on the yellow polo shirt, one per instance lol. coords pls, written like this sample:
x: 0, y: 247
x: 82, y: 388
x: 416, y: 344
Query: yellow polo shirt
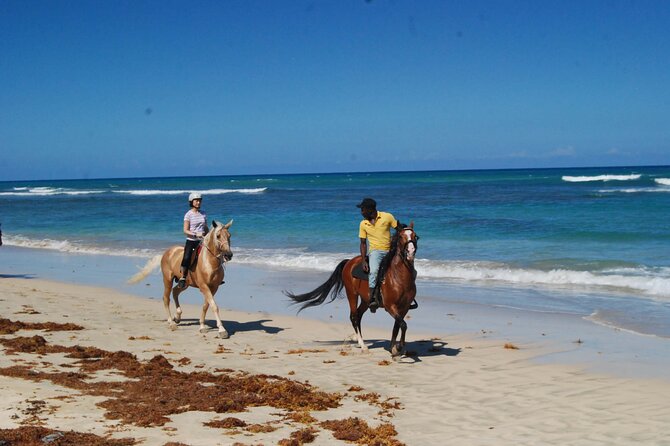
x: 378, y: 234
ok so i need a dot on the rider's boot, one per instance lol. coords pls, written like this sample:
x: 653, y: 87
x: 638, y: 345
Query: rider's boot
x: 374, y: 303
x: 182, y: 282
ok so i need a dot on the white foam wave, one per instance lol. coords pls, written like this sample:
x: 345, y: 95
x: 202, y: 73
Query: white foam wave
x: 74, y: 247
x: 47, y: 191
x: 582, y: 179
x: 634, y: 279
x: 651, y: 282
x: 663, y: 181
x: 290, y: 259
x: 256, y: 190
x: 635, y: 190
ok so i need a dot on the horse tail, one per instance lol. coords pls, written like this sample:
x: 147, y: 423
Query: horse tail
x: 152, y: 264
x: 319, y: 295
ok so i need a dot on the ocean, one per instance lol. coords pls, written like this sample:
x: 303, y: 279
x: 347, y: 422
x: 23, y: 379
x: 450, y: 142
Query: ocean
x: 588, y: 241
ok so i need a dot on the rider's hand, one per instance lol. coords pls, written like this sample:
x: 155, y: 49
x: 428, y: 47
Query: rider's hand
x: 366, y: 267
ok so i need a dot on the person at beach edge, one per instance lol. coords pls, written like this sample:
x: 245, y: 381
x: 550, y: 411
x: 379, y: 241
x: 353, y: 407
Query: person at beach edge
x: 375, y: 230
x: 195, y: 228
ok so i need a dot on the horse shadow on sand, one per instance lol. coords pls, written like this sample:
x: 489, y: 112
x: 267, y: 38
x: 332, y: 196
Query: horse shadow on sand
x: 414, y: 350
x: 233, y: 327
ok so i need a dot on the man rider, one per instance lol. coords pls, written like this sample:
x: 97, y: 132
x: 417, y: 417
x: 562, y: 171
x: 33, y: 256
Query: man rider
x: 375, y: 231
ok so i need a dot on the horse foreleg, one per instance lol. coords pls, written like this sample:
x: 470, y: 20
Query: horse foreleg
x: 403, y: 330
x: 209, y: 301
x: 205, y: 307
x: 397, y: 349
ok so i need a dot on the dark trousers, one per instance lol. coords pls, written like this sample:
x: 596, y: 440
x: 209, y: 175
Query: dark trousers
x: 189, y: 249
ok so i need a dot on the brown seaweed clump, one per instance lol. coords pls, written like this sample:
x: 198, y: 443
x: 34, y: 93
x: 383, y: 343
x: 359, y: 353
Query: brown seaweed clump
x: 155, y: 390
x: 226, y: 423
x: 357, y: 431
x: 10, y: 327
x: 40, y: 436
x: 299, y: 437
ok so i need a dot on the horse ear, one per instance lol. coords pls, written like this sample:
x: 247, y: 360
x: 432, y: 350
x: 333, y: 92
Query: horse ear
x: 214, y: 224
x: 411, y: 224
x: 229, y: 224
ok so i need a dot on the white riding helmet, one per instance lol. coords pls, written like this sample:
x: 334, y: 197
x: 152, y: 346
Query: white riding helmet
x: 194, y: 196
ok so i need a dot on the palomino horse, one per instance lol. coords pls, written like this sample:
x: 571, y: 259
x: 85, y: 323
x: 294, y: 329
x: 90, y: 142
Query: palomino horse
x: 207, y: 275
x: 398, y: 287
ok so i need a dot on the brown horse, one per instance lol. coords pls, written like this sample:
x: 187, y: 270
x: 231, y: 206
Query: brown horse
x: 398, y: 287
x: 207, y: 274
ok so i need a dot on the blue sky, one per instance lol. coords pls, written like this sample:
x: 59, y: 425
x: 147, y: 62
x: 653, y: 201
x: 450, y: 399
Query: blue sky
x: 94, y: 89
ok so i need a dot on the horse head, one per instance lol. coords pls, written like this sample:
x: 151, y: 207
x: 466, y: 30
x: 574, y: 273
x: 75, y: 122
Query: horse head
x: 408, y: 242
x: 221, y: 237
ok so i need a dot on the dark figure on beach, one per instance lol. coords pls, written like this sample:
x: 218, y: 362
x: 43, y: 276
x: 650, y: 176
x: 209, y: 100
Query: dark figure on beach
x: 375, y: 231
x: 0, y: 234
x: 195, y: 228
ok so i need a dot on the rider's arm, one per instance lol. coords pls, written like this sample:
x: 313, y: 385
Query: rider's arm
x: 187, y: 227
x: 364, y: 252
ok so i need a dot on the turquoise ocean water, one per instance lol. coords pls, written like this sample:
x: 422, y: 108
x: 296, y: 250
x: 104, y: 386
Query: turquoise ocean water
x: 590, y: 241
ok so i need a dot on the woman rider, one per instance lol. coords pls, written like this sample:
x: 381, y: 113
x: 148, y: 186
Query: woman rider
x: 195, y: 228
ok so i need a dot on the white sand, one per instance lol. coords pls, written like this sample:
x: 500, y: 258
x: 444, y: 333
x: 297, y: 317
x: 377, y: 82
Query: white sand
x: 458, y: 390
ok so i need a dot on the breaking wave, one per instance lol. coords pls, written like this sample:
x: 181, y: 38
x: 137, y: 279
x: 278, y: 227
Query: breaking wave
x: 256, y: 190
x: 582, y: 179
x: 652, y: 283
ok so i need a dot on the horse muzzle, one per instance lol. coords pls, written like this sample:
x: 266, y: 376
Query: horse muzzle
x: 228, y: 256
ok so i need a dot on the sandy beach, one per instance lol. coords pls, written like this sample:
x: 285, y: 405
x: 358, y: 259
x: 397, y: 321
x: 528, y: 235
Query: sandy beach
x: 110, y: 368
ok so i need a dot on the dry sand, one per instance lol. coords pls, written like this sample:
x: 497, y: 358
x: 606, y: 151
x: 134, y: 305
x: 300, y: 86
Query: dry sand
x: 455, y: 390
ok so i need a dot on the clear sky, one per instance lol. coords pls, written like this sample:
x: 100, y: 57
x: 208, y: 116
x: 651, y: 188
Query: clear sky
x: 126, y: 88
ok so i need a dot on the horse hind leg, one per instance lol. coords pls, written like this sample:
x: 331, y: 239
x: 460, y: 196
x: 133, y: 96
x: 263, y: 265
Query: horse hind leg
x: 355, y: 316
x: 175, y: 295
x: 167, y: 284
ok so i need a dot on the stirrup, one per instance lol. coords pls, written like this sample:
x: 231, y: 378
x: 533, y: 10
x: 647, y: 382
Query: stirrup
x: 182, y: 283
x: 373, y: 305
x: 414, y: 305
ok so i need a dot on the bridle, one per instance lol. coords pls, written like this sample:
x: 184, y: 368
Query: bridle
x: 412, y: 241
x: 221, y: 256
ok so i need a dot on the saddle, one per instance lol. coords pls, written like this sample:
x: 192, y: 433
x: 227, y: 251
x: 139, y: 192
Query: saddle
x: 194, y: 259
x: 358, y: 272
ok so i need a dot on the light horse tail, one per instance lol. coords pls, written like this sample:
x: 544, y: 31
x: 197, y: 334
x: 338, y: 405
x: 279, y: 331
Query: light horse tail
x: 151, y: 265
x: 332, y: 286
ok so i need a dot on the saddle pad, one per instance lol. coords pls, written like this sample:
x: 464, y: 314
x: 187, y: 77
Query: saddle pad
x: 358, y: 272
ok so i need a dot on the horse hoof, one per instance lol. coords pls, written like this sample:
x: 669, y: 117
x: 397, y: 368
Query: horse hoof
x: 204, y: 330
x: 224, y: 335
x: 173, y: 326
x: 177, y: 319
